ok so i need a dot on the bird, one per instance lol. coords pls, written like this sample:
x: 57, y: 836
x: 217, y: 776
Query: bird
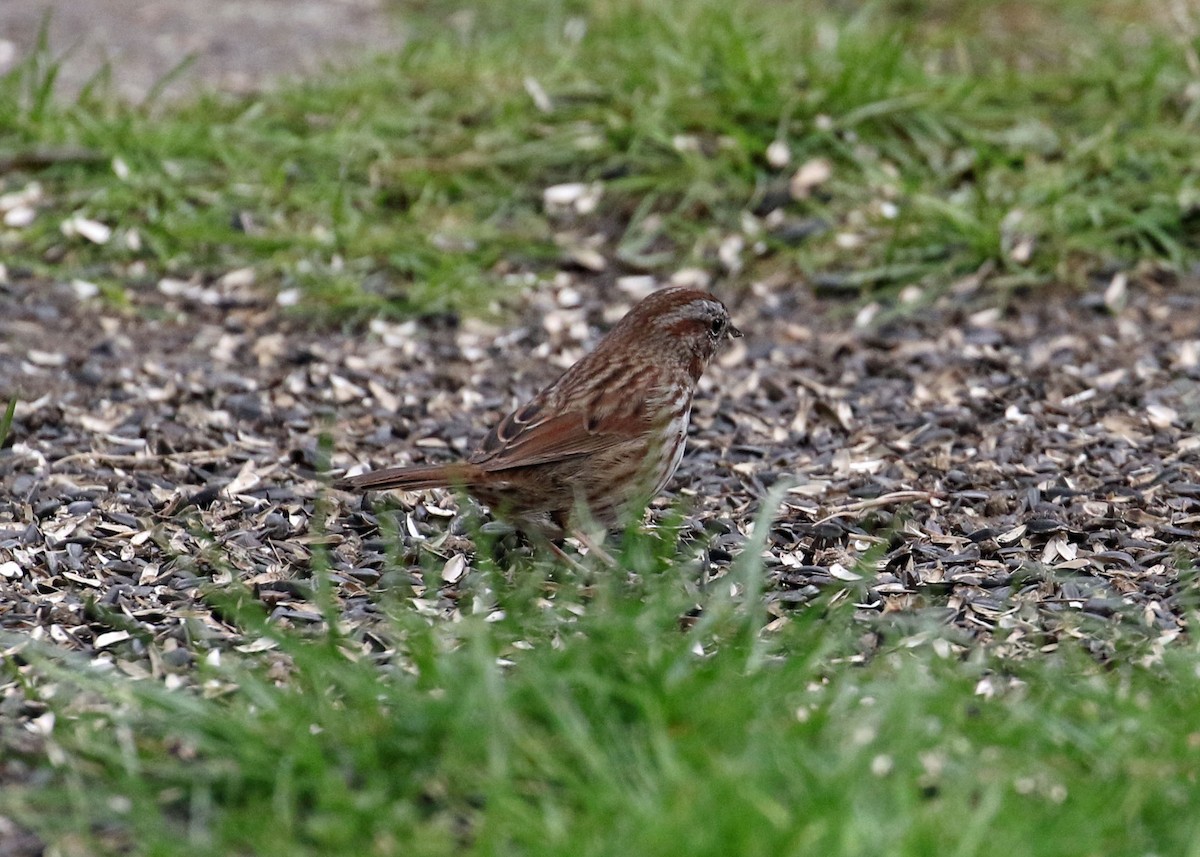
x: 601, y: 441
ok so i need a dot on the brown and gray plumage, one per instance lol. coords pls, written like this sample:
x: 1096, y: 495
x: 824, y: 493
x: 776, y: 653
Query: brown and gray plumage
x: 605, y: 437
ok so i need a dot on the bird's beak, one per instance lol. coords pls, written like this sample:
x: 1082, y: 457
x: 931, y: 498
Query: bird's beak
x: 732, y: 332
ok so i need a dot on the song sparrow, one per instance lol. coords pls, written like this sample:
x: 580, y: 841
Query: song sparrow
x: 605, y: 437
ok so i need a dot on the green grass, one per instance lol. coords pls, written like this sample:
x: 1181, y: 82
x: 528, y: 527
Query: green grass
x: 588, y: 722
x: 1045, y: 141
x: 6, y: 420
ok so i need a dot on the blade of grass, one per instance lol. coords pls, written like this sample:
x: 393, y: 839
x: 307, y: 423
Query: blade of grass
x: 6, y: 421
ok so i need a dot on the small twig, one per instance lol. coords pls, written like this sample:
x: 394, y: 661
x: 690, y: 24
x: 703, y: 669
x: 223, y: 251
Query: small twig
x: 877, y: 502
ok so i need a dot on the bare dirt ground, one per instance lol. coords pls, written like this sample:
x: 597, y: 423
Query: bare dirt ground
x: 235, y: 45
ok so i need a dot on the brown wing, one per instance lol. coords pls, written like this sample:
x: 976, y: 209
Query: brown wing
x: 536, y: 434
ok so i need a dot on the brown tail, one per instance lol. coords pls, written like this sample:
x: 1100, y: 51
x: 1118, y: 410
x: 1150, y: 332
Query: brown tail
x: 409, y: 478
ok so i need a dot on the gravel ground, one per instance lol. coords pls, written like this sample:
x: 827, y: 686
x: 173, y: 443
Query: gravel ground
x: 1012, y: 473
x: 1007, y: 473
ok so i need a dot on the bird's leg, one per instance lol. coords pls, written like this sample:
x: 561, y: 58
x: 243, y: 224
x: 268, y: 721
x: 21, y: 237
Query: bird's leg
x: 552, y: 535
x: 560, y: 519
x: 593, y: 549
x: 573, y: 563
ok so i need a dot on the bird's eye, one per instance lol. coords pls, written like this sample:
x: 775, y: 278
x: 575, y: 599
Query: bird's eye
x: 717, y: 327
